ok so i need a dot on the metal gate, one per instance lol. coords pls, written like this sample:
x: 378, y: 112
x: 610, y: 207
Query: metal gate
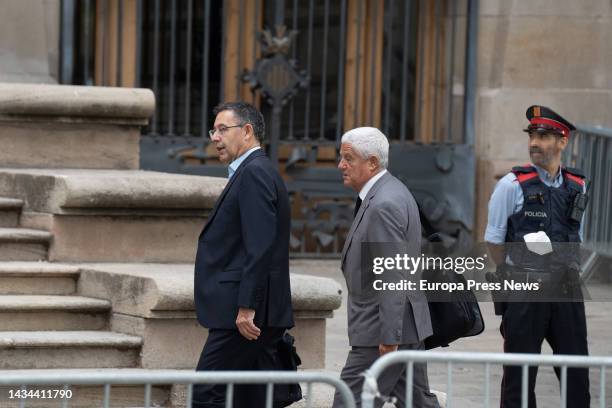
x: 407, y: 67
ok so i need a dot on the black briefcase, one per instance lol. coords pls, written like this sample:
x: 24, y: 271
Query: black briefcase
x: 457, y: 316
x: 289, y: 360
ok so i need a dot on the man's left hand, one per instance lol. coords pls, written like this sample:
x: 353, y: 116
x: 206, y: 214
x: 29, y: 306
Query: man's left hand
x: 245, y: 325
x: 387, y: 348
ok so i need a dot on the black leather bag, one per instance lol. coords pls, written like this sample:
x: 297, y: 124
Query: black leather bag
x: 459, y: 314
x: 289, y: 360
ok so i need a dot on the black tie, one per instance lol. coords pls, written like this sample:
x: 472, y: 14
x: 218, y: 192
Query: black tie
x: 357, y: 205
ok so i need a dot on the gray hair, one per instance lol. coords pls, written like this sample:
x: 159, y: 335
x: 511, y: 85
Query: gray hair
x: 369, y: 141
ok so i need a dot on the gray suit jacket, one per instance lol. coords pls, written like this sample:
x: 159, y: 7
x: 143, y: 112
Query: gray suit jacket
x: 388, y: 214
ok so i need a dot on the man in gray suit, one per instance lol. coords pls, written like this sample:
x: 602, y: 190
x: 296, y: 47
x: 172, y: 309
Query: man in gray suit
x: 381, y: 321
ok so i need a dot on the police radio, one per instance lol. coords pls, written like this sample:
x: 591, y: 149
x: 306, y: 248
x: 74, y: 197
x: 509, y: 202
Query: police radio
x: 579, y: 204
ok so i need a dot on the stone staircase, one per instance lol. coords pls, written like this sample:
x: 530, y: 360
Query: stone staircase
x: 96, y: 255
x: 22, y: 244
x: 45, y: 324
x: 48, y: 323
x: 19, y: 244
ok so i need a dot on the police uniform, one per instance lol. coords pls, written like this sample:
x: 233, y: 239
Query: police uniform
x: 529, y: 200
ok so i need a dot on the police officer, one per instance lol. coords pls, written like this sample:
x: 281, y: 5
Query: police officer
x: 541, y: 196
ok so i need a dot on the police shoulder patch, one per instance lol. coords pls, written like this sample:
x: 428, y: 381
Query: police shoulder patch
x: 578, y: 179
x: 524, y: 173
x: 523, y: 169
x: 574, y: 171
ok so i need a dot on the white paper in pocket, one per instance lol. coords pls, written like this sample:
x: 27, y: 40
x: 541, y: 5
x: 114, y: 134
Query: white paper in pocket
x: 538, y: 242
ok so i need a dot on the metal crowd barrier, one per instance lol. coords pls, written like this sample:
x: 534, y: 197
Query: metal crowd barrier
x: 168, y: 377
x: 23, y: 378
x: 370, y: 386
x: 590, y: 149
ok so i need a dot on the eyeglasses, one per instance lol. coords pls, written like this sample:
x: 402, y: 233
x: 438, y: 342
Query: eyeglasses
x: 221, y: 129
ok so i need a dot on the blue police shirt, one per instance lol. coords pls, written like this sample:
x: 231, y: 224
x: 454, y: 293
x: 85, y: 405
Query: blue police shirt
x: 236, y: 163
x: 507, y: 199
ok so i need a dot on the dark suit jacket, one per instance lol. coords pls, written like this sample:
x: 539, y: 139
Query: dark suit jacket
x: 243, y: 251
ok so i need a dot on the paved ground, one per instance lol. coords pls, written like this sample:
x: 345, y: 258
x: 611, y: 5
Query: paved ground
x: 468, y: 382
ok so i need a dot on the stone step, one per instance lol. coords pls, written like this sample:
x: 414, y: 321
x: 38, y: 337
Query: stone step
x: 131, y: 212
x: 68, y: 349
x: 51, y: 312
x: 10, y: 209
x: 37, y: 278
x: 24, y: 244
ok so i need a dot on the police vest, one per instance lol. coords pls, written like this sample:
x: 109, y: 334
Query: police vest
x: 545, y: 209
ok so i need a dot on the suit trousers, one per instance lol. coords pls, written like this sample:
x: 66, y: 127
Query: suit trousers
x: 228, y: 350
x: 392, y: 382
x: 524, y: 327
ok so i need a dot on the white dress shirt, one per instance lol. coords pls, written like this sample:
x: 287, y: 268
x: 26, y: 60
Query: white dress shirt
x: 366, y: 188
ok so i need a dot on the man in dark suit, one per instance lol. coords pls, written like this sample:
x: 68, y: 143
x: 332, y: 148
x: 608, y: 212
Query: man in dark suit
x: 242, y: 293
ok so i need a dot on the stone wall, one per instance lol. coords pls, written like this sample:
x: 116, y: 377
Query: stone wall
x: 29, y: 41
x: 555, y: 53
